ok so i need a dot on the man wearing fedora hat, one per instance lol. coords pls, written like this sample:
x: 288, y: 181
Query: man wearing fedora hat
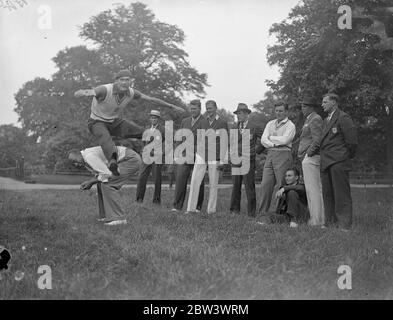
x: 156, y: 132
x: 277, y: 138
x: 243, y: 113
x: 109, y: 101
x: 308, y: 153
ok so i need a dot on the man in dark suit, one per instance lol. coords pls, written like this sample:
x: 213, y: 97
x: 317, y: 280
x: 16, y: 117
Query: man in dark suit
x: 337, y: 148
x: 248, y: 178
x: 209, y: 160
x: 156, y: 134
x: 183, y: 171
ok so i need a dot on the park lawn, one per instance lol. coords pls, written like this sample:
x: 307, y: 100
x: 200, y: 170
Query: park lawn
x: 68, y: 179
x: 165, y: 255
x: 58, y: 178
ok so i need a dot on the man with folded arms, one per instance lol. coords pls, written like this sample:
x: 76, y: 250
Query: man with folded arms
x: 108, y: 185
x: 277, y: 139
x: 203, y: 162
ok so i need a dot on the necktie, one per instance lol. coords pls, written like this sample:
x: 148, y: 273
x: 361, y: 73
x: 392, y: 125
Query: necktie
x: 330, y: 117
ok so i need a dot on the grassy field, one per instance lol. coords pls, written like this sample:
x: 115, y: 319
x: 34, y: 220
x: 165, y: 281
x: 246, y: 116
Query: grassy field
x: 58, y: 178
x: 164, y: 255
x: 73, y: 179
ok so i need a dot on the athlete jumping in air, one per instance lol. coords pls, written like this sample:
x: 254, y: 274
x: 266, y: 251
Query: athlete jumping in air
x: 109, y: 101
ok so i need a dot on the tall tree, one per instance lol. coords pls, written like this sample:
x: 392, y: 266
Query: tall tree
x: 266, y: 105
x: 122, y: 37
x: 315, y: 56
x: 131, y: 37
x: 14, y: 144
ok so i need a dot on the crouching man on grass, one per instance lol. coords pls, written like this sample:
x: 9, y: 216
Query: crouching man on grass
x: 291, y: 202
x: 108, y: 185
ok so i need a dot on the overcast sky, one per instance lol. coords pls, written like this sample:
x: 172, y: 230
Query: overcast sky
x: 227, y: 39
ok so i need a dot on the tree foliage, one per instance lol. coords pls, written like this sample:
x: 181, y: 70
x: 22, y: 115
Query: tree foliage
x: 266, y: 105
x: 124, y: 37
x: 13, y: 145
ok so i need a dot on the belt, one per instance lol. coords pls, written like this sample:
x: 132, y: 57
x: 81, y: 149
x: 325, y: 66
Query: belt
x: 280, y: 148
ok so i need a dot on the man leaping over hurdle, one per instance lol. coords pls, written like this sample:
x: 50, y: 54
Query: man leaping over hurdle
x: 109, y: 101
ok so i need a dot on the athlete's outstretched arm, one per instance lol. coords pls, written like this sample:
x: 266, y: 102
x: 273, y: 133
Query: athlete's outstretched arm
x: 99, y: 92
x: 85, y: 93
x: 160, y: 102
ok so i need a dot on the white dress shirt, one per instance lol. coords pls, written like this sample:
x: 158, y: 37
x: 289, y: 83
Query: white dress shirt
x: 243, y: 126
x: 278, y: 134
x: 216, y: 117
x: 96, y: 159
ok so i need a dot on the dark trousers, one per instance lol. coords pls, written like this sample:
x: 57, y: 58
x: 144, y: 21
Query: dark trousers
x: 183, y: 172
x: 336, y: 192
x: 142, y: 181
x: 292, y: 208
x: 249, y: 183
x: 172, y: 174
x: 103, y: 132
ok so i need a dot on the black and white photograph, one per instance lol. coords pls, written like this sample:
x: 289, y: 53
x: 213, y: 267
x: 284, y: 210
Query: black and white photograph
x: 205, y: 152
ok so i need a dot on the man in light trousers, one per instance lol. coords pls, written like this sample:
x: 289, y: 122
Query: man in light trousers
x: 308, y: 153
x: 209, y: 160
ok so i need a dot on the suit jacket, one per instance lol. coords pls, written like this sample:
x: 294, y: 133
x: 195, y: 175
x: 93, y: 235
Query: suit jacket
x: 310, y: 136
x: 255, y: 140
x: 201, y: 123
x: 339, y: 140
x: 160, y: 128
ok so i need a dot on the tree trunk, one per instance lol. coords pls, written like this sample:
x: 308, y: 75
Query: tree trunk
x: 389, y: 147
